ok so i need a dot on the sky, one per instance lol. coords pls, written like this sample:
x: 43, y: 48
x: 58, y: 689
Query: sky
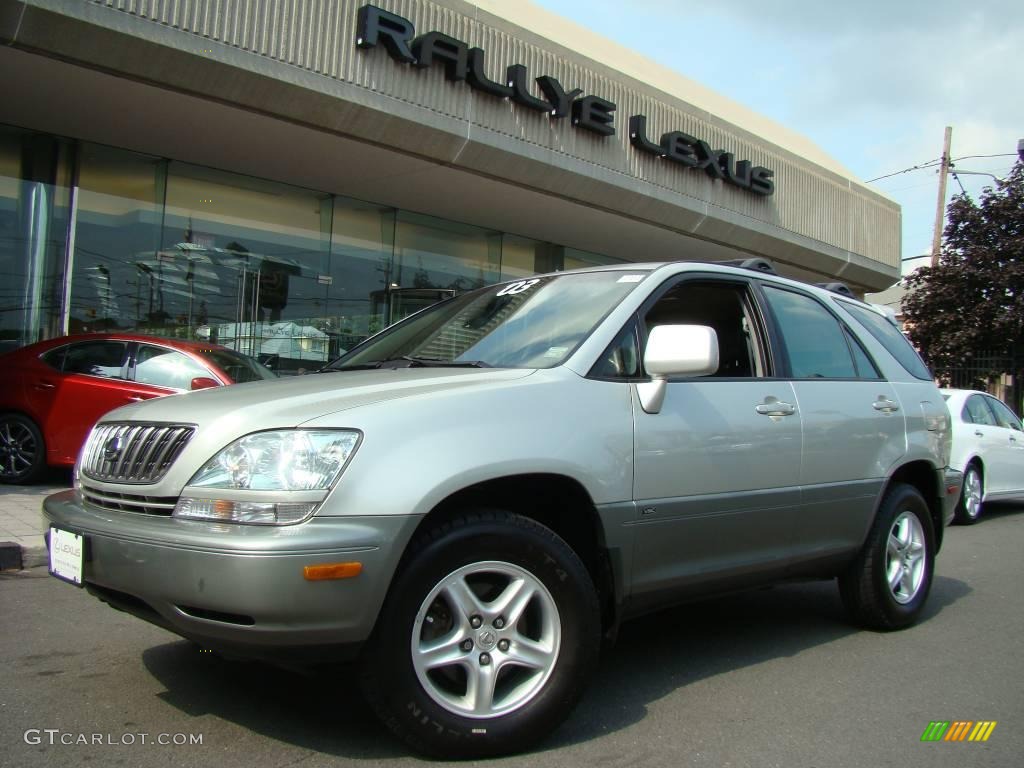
x: 873, y: 83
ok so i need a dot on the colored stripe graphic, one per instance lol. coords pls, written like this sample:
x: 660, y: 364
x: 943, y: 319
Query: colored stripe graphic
x: 958, y: 731
x: 935, y: 731
x: 983, y: 730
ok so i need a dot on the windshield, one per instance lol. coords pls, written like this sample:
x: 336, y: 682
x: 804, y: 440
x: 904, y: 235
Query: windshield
x: 534, y: 323
x: 240, y: 368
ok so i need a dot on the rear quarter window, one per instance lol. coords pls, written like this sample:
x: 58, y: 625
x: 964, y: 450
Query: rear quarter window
x: 889, y: 336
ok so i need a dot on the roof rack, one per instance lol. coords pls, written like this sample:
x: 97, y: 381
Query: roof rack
x: 756, y: 264
x: 841, y: 288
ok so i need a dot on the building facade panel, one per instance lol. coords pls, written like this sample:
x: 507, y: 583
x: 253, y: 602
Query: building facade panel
x: 809, y: 202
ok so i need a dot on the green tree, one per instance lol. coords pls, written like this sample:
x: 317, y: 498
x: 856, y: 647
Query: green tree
x: 973, y: 300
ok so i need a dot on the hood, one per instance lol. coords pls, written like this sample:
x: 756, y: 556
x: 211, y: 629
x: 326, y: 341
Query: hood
x: 290, y: 402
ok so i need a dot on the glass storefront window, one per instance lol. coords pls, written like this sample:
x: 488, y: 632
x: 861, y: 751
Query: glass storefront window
x: 435, y: 259
x: 34, y: 213
x: 362, y: 243
x: 244, y: 263
x: 289, y: 276
x: 120, y: 202
x: 577, y: 259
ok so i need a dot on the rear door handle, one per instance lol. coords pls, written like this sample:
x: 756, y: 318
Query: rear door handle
x: 978, y: 433
x: 44, y: 385
x: 885, y: 405
x: 775, y: 408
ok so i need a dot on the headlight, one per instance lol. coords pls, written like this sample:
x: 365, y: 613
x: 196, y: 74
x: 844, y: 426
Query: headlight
x: 289, y: 462
x: 286, y: 460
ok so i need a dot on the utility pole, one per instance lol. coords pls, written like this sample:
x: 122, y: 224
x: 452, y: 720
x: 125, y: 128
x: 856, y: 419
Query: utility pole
x: 940, y: 208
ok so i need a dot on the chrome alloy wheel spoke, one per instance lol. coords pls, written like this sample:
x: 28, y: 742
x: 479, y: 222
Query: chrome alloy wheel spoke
x: 905, y: 558
x: 486, y: 639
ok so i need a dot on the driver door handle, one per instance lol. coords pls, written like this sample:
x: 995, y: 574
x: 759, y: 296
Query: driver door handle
x: 776, y: 408
x: 885, y: 405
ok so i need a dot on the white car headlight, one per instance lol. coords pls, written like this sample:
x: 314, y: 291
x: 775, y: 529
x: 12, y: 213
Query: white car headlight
x: 285, y: 461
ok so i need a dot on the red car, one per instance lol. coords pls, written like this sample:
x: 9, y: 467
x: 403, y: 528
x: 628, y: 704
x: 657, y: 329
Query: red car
x: 51, y: 393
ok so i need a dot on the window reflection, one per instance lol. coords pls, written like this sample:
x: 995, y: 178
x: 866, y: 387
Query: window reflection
x: 289, y: 276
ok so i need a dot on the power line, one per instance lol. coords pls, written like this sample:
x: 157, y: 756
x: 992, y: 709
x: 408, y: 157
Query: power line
x: 957, y: 177
x: 929, y: 164
x: 932, y: 164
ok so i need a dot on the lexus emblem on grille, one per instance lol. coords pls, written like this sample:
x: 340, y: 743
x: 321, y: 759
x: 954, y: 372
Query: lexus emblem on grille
x: 112, y: 448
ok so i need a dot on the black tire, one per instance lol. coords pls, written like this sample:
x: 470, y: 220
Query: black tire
x: 866, y: 586
x: 479, y: 550
x: 968, y: 507
x: 22, y: 449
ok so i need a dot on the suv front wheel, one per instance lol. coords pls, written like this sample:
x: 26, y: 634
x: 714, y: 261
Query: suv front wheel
x: 886, y: 586
x: 486, y: 639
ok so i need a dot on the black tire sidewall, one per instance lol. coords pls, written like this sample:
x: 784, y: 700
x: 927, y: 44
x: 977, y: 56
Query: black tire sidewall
x: 38, y: 461
x: 422, y: 721
x: 962, y: 516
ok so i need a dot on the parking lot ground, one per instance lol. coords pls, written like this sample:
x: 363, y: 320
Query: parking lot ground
x: 768, y: 678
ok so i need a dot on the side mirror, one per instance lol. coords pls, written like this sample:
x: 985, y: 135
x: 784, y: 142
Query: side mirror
x: 203, y: 382
x: 676, y: 350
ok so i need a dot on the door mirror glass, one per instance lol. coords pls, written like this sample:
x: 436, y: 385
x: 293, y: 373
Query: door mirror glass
x: 681, y: 350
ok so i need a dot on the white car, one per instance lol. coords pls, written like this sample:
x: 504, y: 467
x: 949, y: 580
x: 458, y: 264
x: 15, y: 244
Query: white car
x: 988, y: 447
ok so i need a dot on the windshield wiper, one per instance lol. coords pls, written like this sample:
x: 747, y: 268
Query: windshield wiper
x: 410, y: 362
x: 434, y: 362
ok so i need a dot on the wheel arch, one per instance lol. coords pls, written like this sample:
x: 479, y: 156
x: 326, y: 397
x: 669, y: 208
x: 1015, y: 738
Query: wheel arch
x: 556, y: 501
x: 923, y: 476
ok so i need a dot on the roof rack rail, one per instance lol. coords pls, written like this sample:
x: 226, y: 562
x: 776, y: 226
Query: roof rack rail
x: 841, y: 288
x: 757, y: 264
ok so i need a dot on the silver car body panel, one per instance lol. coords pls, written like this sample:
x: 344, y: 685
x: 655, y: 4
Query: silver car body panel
x: 707, y: 494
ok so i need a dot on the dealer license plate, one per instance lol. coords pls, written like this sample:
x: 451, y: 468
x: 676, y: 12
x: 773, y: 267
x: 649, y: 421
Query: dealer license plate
x: 66, y: 550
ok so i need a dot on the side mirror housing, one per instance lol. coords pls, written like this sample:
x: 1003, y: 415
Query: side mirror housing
x: 676, y: 350
x: 203, y: 382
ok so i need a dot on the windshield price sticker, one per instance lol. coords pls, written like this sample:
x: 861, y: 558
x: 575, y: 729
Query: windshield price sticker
x: 631, y: 278
x: 518, y: 287
x: 66, y: 555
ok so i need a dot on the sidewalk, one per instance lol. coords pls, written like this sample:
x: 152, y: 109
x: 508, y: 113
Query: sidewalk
x: 21, y: 520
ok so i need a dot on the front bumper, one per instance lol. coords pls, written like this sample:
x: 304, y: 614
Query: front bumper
x: 952, y: 482
x: 240, y: 589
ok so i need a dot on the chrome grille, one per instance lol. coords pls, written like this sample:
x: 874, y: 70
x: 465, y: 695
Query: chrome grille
x: 128, y: 502
x: 133, y: 453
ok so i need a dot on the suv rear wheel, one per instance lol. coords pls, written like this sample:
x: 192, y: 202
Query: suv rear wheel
x: 886, y: 586
x: 486, y: 640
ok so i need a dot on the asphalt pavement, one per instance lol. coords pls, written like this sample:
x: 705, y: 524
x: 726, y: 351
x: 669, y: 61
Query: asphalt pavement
x: 768, y: 678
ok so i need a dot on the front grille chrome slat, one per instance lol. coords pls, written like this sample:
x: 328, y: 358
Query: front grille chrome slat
x: 134, y: 453
x: 161, y: 506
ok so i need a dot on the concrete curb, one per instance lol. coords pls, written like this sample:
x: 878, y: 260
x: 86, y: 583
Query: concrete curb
x: 11, y: 556
x: 16, y: 557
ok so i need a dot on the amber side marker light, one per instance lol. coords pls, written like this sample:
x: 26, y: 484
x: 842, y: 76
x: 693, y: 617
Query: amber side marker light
x: 330, y: 571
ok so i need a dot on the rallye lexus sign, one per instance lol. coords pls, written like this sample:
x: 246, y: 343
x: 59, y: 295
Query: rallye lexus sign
x: 591, y: 113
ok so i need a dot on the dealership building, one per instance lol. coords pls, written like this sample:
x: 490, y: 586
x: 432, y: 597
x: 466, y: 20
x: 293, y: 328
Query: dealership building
x: 288, y: 176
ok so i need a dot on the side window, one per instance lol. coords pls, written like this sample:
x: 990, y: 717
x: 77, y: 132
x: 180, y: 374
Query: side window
x: 54, y: 358
x: 1004, y: 415
x: 814, y: 339
x: 889, y: 336
x: 976, y: 412
x: 622, y: 358
x: 866, y: 368
x: 724, y: 307
x: 162, y: 367
x: 96, y: 358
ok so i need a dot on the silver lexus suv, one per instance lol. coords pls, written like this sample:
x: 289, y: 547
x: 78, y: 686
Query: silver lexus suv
x: 471, y: 500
